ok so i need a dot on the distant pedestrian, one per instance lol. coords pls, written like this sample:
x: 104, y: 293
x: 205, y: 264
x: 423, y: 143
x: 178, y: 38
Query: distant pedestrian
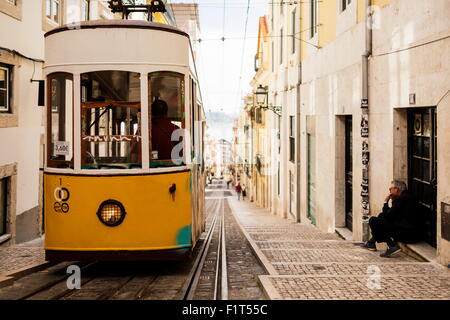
x: 244, y: 192
x: 228, y: 184
x: 238, y: 190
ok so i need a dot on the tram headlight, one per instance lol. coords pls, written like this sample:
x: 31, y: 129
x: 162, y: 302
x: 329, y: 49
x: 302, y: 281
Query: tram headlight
x: 111, y: 213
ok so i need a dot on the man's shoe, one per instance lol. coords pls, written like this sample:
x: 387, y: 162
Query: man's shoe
x: 369, y: 245
x: 390, y: 251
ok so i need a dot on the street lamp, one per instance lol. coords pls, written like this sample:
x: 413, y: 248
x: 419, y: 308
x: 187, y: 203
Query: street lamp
x: 261, y: 97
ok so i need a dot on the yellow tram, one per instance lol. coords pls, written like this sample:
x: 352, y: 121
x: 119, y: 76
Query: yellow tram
x: 124, y: 175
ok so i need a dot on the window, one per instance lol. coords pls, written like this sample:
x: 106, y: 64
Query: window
x: 3, y: 205
x: 166, y: 102
x: 12, y: 8
x: 313, y: 18
x: 281, y: 46
x: 345, y: 4
x: 60, y: 120
x: 278, y: 180
x: 110, y: 120
x: 52, y: 8
x: 291, y: 139
x: 5, y: 88
x: 294, y: 14
x: 272, y: 14
x: 273, y: 56
x: 85, y: 10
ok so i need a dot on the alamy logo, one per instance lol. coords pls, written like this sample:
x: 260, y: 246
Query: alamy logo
x: 374, y: 280
x: 74, y: 280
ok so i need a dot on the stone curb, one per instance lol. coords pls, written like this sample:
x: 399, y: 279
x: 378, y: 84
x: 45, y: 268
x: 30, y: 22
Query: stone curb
x: 258, y: 253
x: 8, y: 279
x: 269, y: 289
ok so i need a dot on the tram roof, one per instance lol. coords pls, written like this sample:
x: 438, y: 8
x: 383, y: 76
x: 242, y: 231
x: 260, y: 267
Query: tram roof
x: 116, y: 23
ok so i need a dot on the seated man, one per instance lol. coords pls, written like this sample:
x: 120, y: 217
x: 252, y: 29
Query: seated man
x: 401, y: 222
x: 162, y: 129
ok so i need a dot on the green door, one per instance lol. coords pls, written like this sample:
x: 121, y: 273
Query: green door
x: 311, y: 144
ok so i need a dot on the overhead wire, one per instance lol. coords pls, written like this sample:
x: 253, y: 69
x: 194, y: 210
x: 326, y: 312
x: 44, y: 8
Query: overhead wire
x: 243, y: 51
x: 223, y: 47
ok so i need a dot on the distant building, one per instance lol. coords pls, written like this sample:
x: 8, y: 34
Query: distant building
x: 188, y: 20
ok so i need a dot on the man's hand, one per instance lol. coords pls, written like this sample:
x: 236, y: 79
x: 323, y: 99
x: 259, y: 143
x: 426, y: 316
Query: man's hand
x: 388, y: 197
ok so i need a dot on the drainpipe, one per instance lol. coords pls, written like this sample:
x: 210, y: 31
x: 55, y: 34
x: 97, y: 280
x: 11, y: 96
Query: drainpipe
x: 365, y: 206
x: 297, y: 133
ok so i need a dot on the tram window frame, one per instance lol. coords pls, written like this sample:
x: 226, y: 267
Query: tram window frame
x: 163, y: 163
x: 107, y: 149
x: 56, y: 163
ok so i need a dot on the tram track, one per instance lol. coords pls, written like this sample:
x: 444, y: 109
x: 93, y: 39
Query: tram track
x: 207, y: 275
x: 220, y: 288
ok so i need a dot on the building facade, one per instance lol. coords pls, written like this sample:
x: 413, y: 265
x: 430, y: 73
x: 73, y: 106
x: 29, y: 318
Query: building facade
x: 374, y: 113
x: 363, y: 87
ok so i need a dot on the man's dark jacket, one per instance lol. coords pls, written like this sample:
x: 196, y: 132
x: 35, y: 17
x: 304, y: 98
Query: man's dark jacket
x: 404, y: 214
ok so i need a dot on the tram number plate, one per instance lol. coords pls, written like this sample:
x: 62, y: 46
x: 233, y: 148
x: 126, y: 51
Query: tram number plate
x: 61, y: 148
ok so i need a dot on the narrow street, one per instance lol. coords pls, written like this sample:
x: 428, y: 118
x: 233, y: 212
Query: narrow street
x: 266, y: 257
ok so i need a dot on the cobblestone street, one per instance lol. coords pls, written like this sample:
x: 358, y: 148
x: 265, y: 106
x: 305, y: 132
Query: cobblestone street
x: 21, y: 256
x: 305, y: 263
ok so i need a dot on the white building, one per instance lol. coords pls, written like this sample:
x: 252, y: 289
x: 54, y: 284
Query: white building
x: 23, y: 24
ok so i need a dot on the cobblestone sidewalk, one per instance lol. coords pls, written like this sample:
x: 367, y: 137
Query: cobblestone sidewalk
x: 304, y: 263
x: 21, y: 256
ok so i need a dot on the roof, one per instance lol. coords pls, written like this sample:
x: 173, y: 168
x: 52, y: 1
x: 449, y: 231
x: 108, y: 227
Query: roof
x: 116, y: 23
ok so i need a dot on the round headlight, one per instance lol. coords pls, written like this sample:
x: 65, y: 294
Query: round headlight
x: 111, y: 213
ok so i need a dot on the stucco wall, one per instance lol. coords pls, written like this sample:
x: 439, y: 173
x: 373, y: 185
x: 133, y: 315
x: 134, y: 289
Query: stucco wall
x: 20, y: 141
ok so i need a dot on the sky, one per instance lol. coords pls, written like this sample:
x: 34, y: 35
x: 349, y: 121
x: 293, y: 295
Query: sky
x: 226, y: 67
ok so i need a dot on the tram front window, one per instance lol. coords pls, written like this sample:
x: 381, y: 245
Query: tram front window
x: 166, y: 102
x: 110, y: 120
x: 59, y: 120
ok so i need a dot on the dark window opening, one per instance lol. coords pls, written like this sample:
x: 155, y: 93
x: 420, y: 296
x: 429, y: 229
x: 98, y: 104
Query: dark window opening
x: 291, y: 139
x: 5, y: 88
x: 313, y: 18
x: 3, y: 205
x: 60, y: 120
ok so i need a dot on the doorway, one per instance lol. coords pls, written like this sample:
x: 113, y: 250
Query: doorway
x: 422, y: 166
x: 348, y: 173
x: 311, y: 155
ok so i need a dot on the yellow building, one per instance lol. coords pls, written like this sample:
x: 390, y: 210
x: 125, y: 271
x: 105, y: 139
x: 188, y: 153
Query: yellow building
x: 260, y: 121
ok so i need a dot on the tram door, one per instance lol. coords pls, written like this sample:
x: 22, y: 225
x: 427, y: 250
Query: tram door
x: 348, y: 173
x: 422, y: 165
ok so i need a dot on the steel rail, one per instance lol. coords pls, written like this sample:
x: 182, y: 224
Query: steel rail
x: 188, y: 289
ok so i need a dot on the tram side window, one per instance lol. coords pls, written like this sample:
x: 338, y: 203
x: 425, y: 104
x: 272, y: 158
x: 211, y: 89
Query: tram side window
x: 166, y: 101
x: 110, y: 120
x: 60, y: 121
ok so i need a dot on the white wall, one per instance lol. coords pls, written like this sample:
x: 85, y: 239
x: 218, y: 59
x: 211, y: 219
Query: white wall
x: 21, y: 144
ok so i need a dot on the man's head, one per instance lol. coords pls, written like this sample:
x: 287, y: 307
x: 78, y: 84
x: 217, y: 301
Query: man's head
x: 159, y: 108
x: 397, y: 187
